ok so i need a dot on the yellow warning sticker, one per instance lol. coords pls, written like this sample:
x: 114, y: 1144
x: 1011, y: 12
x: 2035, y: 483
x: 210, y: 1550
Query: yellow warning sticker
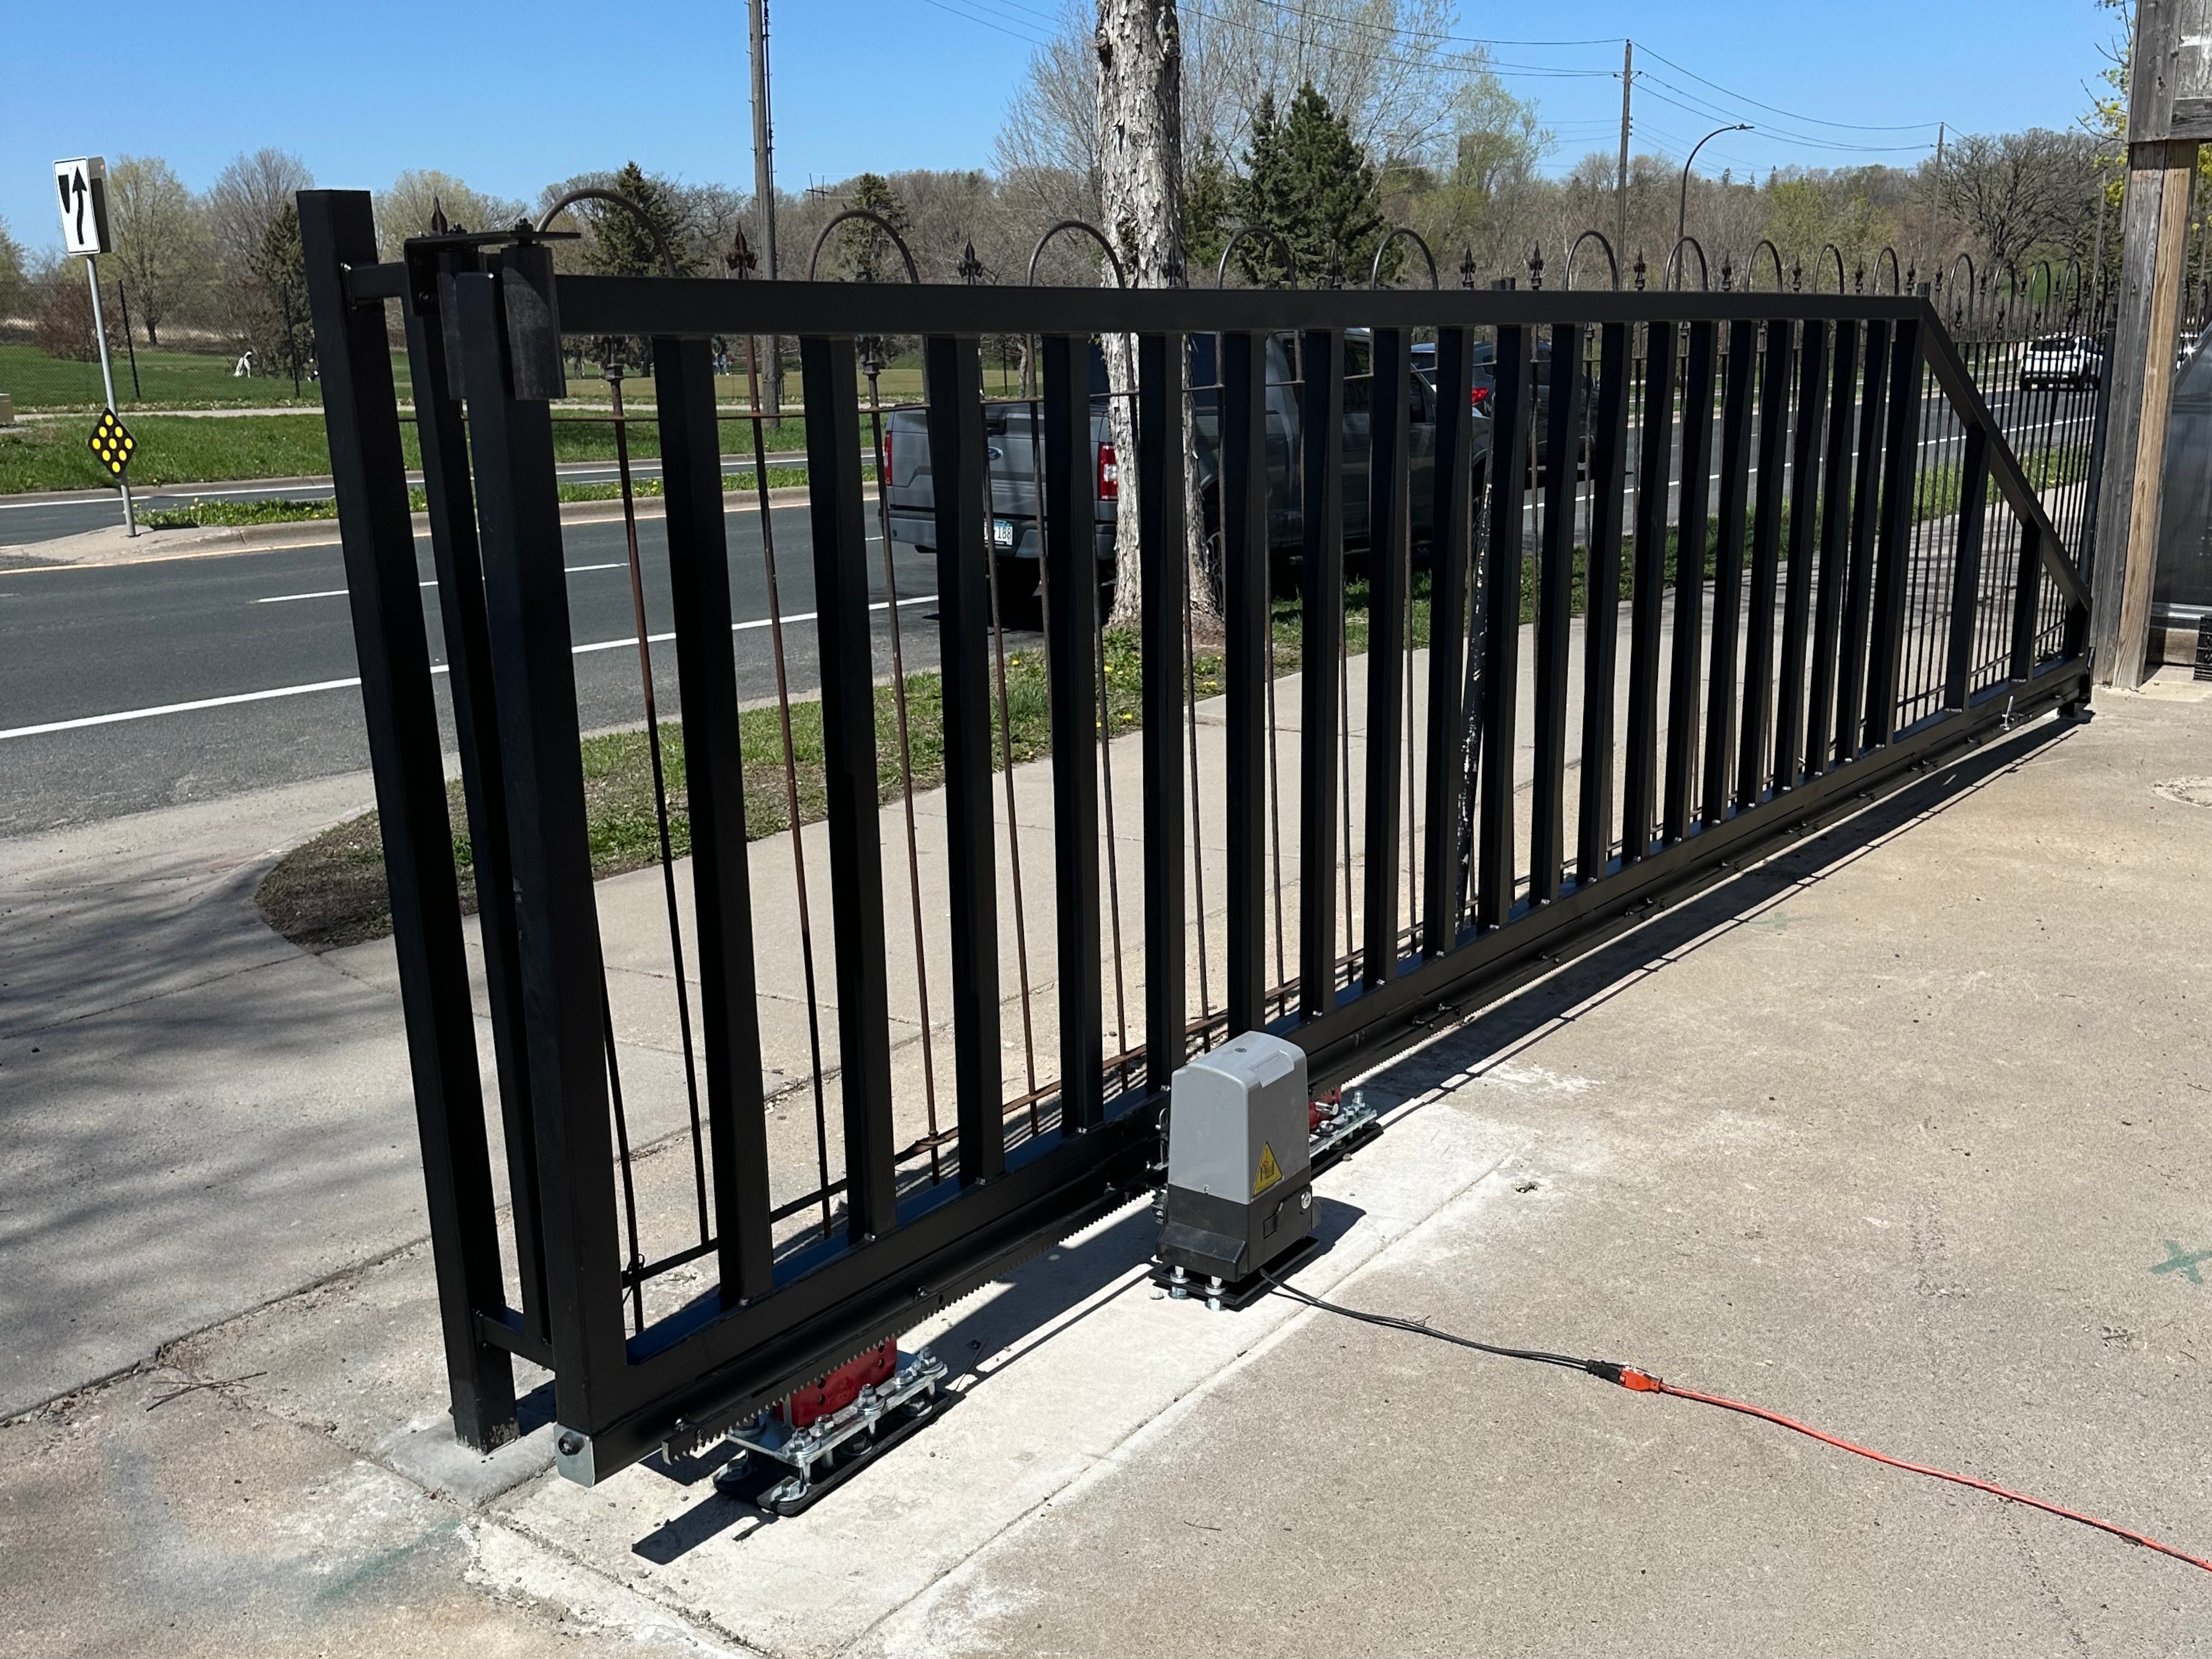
x: 1270, y: 1171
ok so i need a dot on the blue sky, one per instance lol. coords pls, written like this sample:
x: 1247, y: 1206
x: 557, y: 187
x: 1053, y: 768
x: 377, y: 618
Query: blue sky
x: 361, y: 92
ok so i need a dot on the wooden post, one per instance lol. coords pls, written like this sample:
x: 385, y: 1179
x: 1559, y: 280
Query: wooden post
x: 2169, y: 113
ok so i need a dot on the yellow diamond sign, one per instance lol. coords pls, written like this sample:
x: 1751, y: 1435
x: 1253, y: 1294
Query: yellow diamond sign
x: 111, y: 443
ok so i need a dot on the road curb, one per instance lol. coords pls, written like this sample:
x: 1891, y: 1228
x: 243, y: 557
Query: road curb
x: 109, y: 548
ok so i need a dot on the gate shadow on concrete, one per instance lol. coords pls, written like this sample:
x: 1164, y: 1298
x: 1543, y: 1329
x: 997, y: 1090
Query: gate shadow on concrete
x: 1068, y: 1282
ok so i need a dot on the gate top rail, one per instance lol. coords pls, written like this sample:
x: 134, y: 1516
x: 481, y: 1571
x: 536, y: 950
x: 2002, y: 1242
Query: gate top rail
x: 694, y: 309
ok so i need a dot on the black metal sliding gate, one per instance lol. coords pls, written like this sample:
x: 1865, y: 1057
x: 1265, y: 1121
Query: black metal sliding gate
x: 1764, y: 551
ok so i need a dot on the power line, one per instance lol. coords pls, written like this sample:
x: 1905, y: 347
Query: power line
x: 1002, y: 29
x: 1776, y: 109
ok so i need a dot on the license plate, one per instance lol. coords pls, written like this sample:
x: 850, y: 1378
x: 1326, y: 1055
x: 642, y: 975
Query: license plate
x: 1002, y: 532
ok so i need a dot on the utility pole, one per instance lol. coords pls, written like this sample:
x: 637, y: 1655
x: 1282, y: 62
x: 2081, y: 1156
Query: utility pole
x: 764, y: 187
x: 1935, y: 201
x: 2169, y: 114
x: 1620, y: 186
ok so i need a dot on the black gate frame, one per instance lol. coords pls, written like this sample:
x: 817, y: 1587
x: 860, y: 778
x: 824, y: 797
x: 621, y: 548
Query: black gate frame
x: 483, y: 316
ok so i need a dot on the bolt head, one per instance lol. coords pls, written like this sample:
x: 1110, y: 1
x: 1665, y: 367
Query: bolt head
x: 570, y: 1444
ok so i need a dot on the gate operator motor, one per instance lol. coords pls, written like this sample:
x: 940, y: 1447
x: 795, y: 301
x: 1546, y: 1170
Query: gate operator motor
x: 1240, y: 1190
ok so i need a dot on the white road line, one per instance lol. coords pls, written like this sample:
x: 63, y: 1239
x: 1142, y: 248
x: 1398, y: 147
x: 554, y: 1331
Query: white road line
x: 199, y: 703
x: 340, y: 592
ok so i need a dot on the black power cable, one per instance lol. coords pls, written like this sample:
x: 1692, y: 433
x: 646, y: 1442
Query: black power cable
x: 1642, y: 1381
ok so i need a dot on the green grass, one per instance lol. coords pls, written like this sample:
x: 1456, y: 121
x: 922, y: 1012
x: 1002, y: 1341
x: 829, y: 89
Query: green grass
x: 279, y: 510
x: 176, y: 380
x: 177, y: 449
x: 1936, y: 491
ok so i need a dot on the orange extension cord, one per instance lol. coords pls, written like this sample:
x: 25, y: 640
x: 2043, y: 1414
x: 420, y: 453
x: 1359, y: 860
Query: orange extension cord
x: 1642, y: 1381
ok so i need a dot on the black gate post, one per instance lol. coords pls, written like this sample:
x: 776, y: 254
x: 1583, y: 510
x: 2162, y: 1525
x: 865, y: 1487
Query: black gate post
x: 377, y: 534
x: 566, y: 1031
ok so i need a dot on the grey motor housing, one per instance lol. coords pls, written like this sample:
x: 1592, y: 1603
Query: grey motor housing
x: 1239, y: 1190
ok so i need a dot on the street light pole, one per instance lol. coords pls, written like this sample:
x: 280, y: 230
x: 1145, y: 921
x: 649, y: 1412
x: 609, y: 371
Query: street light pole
x: 1683, y: 212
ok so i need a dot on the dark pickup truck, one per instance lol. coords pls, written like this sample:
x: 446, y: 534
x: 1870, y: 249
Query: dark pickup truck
x: 1015, y: 462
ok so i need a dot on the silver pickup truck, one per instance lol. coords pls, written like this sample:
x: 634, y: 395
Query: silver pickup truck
x: 1015, y: 461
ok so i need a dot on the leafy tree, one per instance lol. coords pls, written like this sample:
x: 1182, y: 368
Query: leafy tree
x: 1307, y: 181
x: 2022, y: 193
x: 417, y: 195
x: 62, y: 324
x: 12, y: 280
x: 161, y: 243
x: 865, y: 253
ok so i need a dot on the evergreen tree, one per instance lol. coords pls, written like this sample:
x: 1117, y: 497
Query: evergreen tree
x: 1210, y: 206
x: 622, y: 246
x: 865, y: 254
x: 1307, y: 181
x: 283, y: 331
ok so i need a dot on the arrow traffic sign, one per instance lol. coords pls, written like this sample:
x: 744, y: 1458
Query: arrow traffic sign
x: 81, y: 183
x: 111, y: 443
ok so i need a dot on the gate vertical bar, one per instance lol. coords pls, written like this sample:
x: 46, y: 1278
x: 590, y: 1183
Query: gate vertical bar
x: 1798, y: 582
x: 1161, y: 527
x: 564, y: 984
x: 377, y: 537
x: 1892, y: 571
x: 1321, y: 361
x: 1835, y: 549
x: 2026, y: 600
x: 1555, y: 614
x: 434, y: 375
x: 1766, y: 527
x: 1243, y: 360
x: 714, y: 791
x: 959, y: 454
x: 1694, y: 515
x: 1851, y: 661
x: 1390, y: 576
x: 1501, y: 653
x: 1720, y: 695
x: 1601, y: 613
x: 845, y: 634
x: 1966, y: 566
x: 1451, y: 524
x: 1639, y: 794
x: 1070, y: 575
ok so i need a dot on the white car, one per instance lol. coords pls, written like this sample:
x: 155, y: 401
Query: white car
x: 2062, y: 360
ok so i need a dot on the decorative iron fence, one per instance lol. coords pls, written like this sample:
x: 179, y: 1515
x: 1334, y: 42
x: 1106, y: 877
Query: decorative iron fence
x: 1645, y: 621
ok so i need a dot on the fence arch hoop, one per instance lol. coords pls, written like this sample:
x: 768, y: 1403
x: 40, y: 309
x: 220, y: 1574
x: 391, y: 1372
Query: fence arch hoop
x: 1830, y: 251
x: 1671, y: 278
x: 814, y: 259
x: 1236, y: 241
x: 1121, y: 277
x: 1751, y: 265
x: 592, y: 193
x: 1375, y: 269
x: 1896, y: 276
x: 1612, y: 261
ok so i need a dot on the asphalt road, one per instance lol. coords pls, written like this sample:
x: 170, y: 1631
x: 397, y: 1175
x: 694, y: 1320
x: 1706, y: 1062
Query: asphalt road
x: 41, y: 518
x: 95, y: 661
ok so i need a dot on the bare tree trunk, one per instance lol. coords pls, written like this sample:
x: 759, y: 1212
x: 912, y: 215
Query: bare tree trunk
x: 1140, y: 50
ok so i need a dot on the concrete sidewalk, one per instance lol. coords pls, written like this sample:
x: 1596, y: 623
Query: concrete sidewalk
x: 1893, y: 1138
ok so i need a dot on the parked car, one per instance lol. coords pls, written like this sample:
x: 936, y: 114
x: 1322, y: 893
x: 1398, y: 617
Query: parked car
x: 1485, y: 387
x: 2073, y: 360
x: 1008, y: 426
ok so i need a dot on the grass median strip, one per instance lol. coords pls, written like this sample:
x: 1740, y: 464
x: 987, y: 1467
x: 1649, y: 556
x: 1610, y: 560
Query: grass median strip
x: 183, y: 449
x: 331, y: 891
x: 201, y: 515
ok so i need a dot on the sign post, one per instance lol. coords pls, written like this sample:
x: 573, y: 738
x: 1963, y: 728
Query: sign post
x: 82, y: 184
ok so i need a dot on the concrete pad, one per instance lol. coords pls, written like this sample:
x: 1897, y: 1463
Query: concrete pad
x: 137, y: 1521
